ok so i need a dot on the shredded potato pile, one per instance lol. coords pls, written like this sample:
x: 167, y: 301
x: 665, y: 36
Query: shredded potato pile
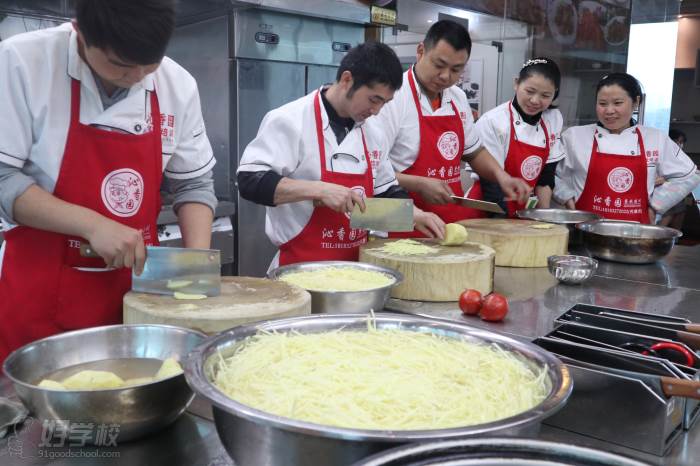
x: 380, y: 379
x: 407, y: 247
x: 338, y: 279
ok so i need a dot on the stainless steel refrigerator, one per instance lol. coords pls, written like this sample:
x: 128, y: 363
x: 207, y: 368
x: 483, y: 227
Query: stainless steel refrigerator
x: 247, y: 63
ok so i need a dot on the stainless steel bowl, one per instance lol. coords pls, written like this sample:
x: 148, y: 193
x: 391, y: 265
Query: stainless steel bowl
x: 253, y: 437
x: 628, y: 242
x: 131, y: 412
x: 571, y: 269
x: 343, y: 301
x: 566, y: 217
x: 496, y: 452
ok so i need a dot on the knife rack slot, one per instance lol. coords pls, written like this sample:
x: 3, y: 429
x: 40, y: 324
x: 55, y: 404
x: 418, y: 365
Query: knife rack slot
x: 619, y: 382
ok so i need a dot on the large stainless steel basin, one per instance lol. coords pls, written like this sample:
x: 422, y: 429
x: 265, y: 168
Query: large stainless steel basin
x: 253, y: 437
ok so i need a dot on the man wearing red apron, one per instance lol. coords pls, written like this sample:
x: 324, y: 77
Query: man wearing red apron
x: 313, y: 160
x: 441, y: 143
x: 616, y: 185
x: 525, y: 161
x: 312, y: 243
x: 430, y: 128
x: 107, y: 173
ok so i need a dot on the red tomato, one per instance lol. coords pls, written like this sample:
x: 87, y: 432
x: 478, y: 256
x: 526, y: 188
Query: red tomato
x: 495, y: 308
x: 470, y: 302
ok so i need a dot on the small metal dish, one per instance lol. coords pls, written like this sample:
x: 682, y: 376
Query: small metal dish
x: 343, y: 302
x: 571, y: 269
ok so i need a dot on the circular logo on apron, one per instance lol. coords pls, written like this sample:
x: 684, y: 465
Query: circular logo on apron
x: 620, y: 179
x: 122, y: 192
x: 448, y: 145
x: 531, y: 167
x: 359, y: 190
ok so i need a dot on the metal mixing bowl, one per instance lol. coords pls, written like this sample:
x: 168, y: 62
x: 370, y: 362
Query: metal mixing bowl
x: 496, y: 452
x: 571, y: 269
x: 628, y: 242
x: 343, y: 301
x: 252, y: 436
x: 566, y: 217
x: 135, y: 411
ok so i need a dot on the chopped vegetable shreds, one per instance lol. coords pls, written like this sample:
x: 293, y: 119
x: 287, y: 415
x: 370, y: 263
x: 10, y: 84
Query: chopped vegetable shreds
x: 338, y: 279
x: 379, y: 379
x: 407, y: 247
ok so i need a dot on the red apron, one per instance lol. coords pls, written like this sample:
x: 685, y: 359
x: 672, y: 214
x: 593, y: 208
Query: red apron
x: 327, y: 235
x: 42, y: 289
x: 439, y: 156
x: 524, y: 161
x: 616, y: 185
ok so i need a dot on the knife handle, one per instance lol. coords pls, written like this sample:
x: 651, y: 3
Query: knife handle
x: 679, y: 387
x: 689, y: 338
x: 87, y: 251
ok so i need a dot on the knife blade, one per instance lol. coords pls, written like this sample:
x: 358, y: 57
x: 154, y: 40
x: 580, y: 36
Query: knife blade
x: 167, y: 270
x: 384, y: 214
x: 185, y: 270
x: 479, y: 205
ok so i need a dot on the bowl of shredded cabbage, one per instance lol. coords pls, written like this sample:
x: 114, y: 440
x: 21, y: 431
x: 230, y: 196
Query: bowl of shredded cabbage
x: 341, y: 286
x: 113, y: 383
x: 335, y: 388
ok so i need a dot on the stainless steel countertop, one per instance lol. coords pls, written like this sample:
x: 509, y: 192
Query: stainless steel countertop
x: 670, y: 287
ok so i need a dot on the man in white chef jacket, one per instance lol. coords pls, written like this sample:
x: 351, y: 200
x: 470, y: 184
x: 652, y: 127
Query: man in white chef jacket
x: 312, y: 161
x: 430, y: 129
x: 93, y: 116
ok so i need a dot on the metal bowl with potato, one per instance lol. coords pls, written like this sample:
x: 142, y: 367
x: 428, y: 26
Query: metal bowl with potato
x: 109, y: 375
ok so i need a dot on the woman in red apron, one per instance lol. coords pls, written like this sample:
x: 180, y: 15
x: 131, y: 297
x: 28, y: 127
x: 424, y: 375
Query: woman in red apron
x: 612, y: 176
x: 531, y: 111
x: 439, y: 156
x: 312, y: 243
x: 46, y: 286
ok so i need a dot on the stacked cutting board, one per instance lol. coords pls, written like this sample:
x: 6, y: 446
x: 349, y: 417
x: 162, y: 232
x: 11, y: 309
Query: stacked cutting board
x: 438, y: 276
x: 242, y: 300
x: 519, y: 243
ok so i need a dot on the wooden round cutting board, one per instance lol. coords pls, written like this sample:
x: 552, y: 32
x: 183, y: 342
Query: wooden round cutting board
x: 518, y: 243
x: 439, y: 276
x: 242, y: 300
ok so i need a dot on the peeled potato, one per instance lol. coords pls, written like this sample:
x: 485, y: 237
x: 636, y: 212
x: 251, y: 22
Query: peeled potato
x: 178, y: 295
x: 51, y: 384
x: 543, y: 226
x: 177, y: 284
x: 138, y: 381
x: 455, y: 235
x: 93, y: 380
x: 169, y: 368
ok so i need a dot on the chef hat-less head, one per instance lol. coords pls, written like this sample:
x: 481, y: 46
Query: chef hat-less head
x: 137, y: 31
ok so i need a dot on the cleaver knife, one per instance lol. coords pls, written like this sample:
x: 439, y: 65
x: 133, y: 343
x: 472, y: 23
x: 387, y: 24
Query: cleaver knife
x: 384, y: 214
x: 167, y: 270
x: 479, y: 205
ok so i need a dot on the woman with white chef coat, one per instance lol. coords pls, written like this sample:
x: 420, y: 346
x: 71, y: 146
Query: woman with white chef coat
x: 610, y: 166
x: 523, y: 134
x: 93, y: 116
x: 313, y: 160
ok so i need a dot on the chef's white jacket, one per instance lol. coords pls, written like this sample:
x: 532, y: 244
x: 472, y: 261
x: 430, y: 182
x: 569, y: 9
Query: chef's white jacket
x: 398, y: 121
x: 35, y: 78
x: 286, y: 143
x: 663, y: 156
x: 493, y: 128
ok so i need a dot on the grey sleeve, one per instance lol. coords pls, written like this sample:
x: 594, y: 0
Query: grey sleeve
x: 13, y: 183
x: 199, y: 190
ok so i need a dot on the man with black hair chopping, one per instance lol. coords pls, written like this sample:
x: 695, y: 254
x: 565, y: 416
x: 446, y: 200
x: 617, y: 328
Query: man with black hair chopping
x: 93, y: 115
x: 313, y: 160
